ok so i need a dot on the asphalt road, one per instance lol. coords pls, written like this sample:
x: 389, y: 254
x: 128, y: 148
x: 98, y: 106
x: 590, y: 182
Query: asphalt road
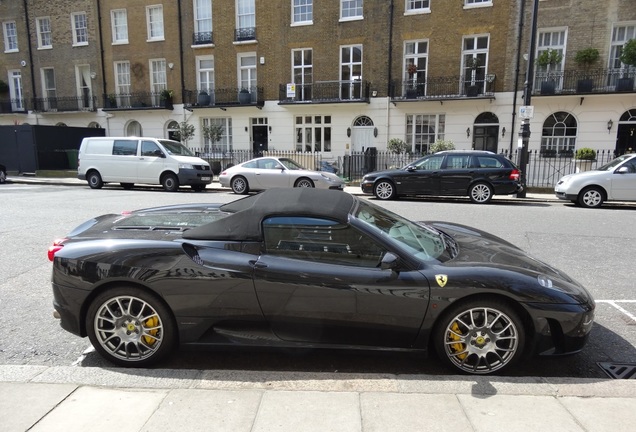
x: 594, y: 246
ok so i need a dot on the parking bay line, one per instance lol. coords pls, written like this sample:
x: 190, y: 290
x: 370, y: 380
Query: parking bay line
x: 614, y: 303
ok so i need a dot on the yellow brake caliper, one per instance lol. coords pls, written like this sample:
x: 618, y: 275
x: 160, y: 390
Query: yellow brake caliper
x: 458, y: 347
x: 151, y: 322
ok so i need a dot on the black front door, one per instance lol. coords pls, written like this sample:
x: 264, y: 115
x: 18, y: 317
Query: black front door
x: 259, y: 139
x: 625, y: 139
x: 485, y: 138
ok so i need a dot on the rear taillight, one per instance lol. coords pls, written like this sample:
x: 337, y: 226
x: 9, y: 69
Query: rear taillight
x: 514, y: 175
x: 55, y: 247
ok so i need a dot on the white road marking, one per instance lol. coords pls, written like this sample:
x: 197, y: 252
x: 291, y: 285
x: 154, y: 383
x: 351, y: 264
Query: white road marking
x: 81, y: 358
x: 614, y: 303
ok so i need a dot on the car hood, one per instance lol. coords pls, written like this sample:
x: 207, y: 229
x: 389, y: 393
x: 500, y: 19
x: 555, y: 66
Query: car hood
x: 193, y: 160
x: 386, y: 172
x: 585, y: 175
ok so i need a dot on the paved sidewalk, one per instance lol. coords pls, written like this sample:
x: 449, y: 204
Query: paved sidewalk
x: 49, y: 399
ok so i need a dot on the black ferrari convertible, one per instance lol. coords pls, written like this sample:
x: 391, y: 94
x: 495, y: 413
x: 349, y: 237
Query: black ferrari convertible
x: 310, y: 268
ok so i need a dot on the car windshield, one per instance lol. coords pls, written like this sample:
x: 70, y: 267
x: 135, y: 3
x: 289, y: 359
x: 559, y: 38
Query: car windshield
x: 420, y: 240
x: 610, y: 166
x: 175, y: 148
x: 290, y: 164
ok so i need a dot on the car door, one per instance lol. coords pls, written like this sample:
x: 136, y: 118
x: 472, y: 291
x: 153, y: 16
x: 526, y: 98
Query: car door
x: 456, y: 175
x: 421, y: 178
x: 270, y: 173
x: 318, y: 281
x: 624, y: 182
x: 151, y: 162
x: 122, y: 166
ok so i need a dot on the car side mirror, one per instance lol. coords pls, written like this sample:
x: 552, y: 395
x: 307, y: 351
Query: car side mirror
x: 411, y: 168
x: 623, y: 170
x: 159, y: 153
x: 389, y: 262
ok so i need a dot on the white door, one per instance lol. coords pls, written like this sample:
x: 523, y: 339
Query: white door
x: 361, y: 138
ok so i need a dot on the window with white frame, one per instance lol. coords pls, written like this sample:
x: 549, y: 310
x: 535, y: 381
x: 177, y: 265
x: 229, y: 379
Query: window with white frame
x: 205, y: 74
x: 475, y: 62
x: 350, y: 9
x: 154, y: 20
x: 621, y: 33
x: 477, y: 2
x: 203, y: 21
x: 422, y: 130
x: 158, y: 81
x: 558, y: 135
x: 10, y: 36
x: 417, y: 5
x: 83, y: 80
x: 224, y: 144
x: 247, y: 73
x: 122, y: 83
x: 245, y: 14
x: 351, y: 72
x: 302, y: 11
x: 313, y: 133
x: 302, y: 72
x: 550, y: 40
x: 415, y: 60
x: 48, y: 88
x: 43, y: 29
x: 80, y: 28
x: 15, y: 90
x: 119, y: 24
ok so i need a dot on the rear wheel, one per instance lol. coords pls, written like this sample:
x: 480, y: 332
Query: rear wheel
x: 130, y: 327
x: 304, y: 183
x: 170, y: 182
x: 384, y: 190
x: 591, y: 197
x: 480, y: 193
x: 480, y: 336
x: 94, y: 180
x: 239, y: 185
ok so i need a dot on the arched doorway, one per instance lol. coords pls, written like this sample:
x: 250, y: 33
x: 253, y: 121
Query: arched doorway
x: 486, y: 132
x: 172, y: 130
x: 558, y: 135
x: 362, y: 134
x: 626, y: 135
x: 133, y: 128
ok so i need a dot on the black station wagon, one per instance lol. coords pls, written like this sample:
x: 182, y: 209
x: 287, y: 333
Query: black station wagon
x: 477, y: 174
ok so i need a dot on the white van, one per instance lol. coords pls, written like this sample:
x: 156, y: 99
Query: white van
x: 130, y: 160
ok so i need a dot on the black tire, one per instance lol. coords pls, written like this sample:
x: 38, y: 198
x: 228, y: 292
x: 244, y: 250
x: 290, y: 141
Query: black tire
x: 480, y: 193
x: 591, y: 197
x: 384, y: 190
x: 127, y: 186
x: 94, y: 180
x: 466, y: 342
x: 239, y: 185
x: 304, y: 182
x: 130, y: 327
x: 170, y: 182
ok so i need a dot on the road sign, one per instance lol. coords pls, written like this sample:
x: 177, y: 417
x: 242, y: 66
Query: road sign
x: 526, y: 111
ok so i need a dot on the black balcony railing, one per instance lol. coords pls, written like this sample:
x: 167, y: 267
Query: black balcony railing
x: 65, y: 103
x: 13, y: 105
x: 224, y: 97
x: 245, y: 34
x: 583, y: 82
x: 202, y: 38
x: 444, y: 87
x: 135, y: 100
x: 326, y: 92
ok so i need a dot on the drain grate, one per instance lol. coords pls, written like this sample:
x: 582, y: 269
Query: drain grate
x: 619, y: 370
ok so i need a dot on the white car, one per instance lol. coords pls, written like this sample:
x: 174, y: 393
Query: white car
x: 615, y: 181
x: 274, y: 172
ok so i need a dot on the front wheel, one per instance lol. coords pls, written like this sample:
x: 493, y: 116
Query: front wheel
x: 239, y: 185
x: 170, y: 183
x: 479, y: 336
x: 94, y: 180
x: 304, y: 183
x: 130, y: 327
x: 384, y: 190
x: 480, y: 193
x: 591, y: 197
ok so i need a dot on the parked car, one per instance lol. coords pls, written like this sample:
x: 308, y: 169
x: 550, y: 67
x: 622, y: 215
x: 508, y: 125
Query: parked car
x: 275, y: 172
x: 614, y: 181
x: 310, y: 268
x: 477, y: 174
x: 3, y: 173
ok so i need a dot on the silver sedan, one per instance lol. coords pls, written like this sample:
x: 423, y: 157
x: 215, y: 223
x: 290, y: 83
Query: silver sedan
x: 273, y: 172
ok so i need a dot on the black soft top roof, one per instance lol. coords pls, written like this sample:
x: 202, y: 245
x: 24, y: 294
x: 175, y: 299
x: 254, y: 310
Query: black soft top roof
x: 247, y: 214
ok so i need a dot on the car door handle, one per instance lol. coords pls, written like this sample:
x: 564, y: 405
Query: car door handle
x: 257, y: 264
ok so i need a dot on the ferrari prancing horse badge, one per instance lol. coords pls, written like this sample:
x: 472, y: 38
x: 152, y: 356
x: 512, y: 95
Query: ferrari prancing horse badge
x: 441, y: 279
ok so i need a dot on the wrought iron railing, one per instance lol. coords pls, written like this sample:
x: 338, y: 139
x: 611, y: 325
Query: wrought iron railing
x: 583, y: 82
x: 443, y: 87
x: 245, y: 34
x: 326, y: 91
x: 65, y: 103
x: 14, y: 105
x: 223, y: 97
x: 135, y: 100
x: 202, y: 38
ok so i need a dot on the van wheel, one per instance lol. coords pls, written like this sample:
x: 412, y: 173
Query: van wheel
x: 127, y: 186
x: 94, y: 180
x: 170, y: 183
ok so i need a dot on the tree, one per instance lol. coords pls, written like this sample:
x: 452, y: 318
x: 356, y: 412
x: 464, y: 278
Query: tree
x: 212, y: 132
x: 441, y: 145
x: 628, y: 54
x: 398, y: 146
x: 185, y: 132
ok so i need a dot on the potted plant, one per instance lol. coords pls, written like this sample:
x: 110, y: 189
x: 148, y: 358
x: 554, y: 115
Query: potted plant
x: 583, y: 158
x: 585, y: 58
x: 627, y: 57
x: 244, y: 96
x: 411, y: 85
x: 166, y: 98
x: 203, y: 99
x: 472, y: 89
x: 111, y: 101
x: 548, y: 60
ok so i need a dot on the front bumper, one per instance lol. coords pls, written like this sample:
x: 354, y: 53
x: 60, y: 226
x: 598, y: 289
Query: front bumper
x: 367, y: 187
x: 565, y: 196
x: 194, y: 177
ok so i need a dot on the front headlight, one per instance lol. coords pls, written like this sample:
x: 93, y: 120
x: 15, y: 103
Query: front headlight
x: 185, y: 166
x: 326, y: 177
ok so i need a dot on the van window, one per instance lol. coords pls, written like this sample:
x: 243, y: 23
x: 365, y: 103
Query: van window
x: 149, y: 148
x: 125, y: 148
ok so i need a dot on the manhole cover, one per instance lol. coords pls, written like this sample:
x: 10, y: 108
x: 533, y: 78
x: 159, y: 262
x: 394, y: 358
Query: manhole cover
x: 619, y: 370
